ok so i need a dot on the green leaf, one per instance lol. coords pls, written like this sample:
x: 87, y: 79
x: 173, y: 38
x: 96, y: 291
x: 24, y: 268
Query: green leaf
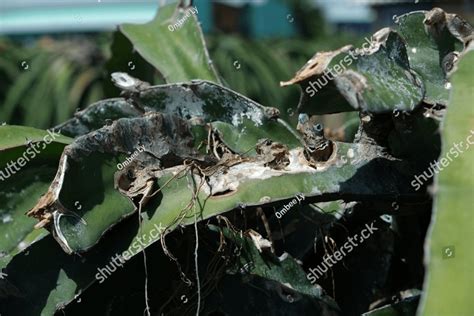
x: 124, y: 59
x: 88, y: 174
x: 43, y: 286
x: 377, y: 79
x: 14, y: 142
x: 97, y: 115
x: 41, y: 93
x: 284, y: 270
x: 426, y: 52
x: 64, y: 75
x: 450, y: 258
x: 239, y: 121
x: 179, y: 55
x: 18, y: 194
x: 242, y: 138
x: 26, y: 173
x: 22, y: 84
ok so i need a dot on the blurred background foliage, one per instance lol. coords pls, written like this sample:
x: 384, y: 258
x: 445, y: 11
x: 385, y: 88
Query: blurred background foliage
x: 60, y: 76
x: 45, y: 79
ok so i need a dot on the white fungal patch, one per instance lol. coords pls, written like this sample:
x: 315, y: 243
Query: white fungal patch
x: 361, y: 155
x: 174, y: 171
x: 230, y: 181
x: 22, y: 245
x: 226, y: 181
x: 447, y: 85
x: 237, y: 119
x: 283, y: 257
x: 350, y: 153
x: 254, y: 114
x: 188, y: 105
x: 315, y: 191
x: 123, y: 80
x: 413, y: 50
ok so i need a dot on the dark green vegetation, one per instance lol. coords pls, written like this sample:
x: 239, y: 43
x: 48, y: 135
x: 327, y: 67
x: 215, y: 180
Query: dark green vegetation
x: 193, y: 211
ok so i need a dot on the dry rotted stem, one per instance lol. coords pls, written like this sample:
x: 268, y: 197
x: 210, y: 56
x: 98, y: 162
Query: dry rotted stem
x: 317, y: 147
x: 155, y: 140
x: 125, y: 82
x: 316, y: 66
x: 437, y: 20
x: 274, y: 155
x: 167, y: 150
